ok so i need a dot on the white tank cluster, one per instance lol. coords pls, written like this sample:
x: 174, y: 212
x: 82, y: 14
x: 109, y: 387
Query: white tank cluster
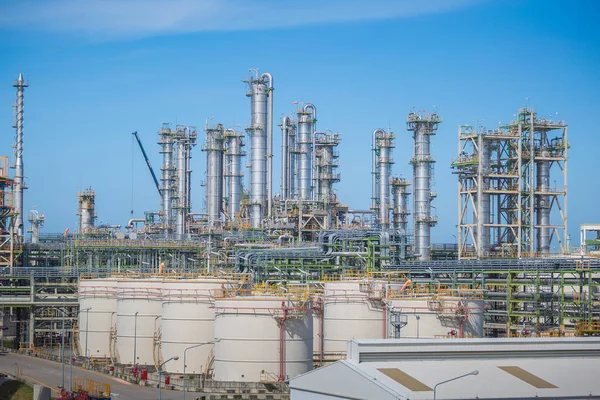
x: 236, y: 333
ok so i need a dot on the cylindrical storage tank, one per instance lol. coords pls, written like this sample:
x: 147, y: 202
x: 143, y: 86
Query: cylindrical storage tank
x: 135, y: 332
x: 188, y: 319
x: 98, y: 301
x: 353, y: 310
x: 248, y: 331
x: 428, y: 317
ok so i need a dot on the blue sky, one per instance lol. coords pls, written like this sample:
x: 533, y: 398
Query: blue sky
x: 100, y: 69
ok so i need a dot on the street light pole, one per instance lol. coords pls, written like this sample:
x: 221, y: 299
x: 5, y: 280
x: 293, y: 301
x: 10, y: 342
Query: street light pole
x: 160, y: 373
x: 184, y: 358
x: 476, y: 372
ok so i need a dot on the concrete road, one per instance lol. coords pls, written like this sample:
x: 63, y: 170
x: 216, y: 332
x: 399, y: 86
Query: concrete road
x: 49, y: 373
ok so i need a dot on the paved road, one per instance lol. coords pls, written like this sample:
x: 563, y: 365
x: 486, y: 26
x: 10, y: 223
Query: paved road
x: 50, y: 374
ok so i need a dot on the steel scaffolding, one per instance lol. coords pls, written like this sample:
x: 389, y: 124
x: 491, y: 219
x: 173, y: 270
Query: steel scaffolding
x: 505, y: 199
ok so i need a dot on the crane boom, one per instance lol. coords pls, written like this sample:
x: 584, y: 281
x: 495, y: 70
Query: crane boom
x: 148, y: 163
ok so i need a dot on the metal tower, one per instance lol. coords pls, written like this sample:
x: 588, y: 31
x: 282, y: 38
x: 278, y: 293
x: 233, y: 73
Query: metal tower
x: 233, y: 172
x: 505, y: 196
x: 215, y: 149
x: 423, y: 127
x: 383, y: 143
x: 19, y: 184
x: 86, y: 210
x: 260, y: 92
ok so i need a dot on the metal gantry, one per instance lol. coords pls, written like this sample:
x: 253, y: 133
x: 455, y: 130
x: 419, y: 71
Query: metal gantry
x: 505, y: 196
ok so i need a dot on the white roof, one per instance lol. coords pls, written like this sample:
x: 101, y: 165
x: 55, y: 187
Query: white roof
x: 508, y: 368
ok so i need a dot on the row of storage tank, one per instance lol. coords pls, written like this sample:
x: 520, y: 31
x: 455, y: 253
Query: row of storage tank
x: 279, y: 332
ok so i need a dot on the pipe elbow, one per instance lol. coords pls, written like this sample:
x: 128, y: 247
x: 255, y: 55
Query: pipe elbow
x: 269, y: 78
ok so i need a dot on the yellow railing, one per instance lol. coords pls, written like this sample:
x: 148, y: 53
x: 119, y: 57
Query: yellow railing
x: 91, y: 387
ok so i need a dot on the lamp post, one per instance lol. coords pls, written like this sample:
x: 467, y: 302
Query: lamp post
x: 87, y: 321
x: 476, y: 372
x: 184, y: 358
x: 160, y: 373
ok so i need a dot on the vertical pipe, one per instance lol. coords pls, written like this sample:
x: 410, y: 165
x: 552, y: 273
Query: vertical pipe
x: 285, y: 157
x: 267, y: 76
x: 20, y: 84
x: 292, y: 163
x: 384, y: 144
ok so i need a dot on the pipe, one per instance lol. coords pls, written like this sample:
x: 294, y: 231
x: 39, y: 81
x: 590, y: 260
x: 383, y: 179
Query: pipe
x: 233, y: 172
x: 19, y: 184
x: 270, y: 145
x: 543, y: 200
x: 285, y: 156
x: 214, y: 172
x: 166, y: 142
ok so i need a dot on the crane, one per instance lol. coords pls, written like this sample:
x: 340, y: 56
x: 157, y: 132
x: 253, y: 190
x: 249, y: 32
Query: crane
x: 148, y: 163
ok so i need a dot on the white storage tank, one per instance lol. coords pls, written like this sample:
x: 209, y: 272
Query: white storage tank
x: 135, y: 333
x: 430, y: 317
x: 249, y: 339
x: 353, y: 310
x: 98, y: 301
x: 188, y: 319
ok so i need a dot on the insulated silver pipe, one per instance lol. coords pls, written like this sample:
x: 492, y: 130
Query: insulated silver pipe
x: 285, y: 156
x: 19, y: 185
x: 214, y: 172
x: 234, y: 172
x: 543, y: 201
x: 306, y: 126
x: 292, y: 167
x: 400, y: 204
x: 383, y: 145
x: 267, y: 77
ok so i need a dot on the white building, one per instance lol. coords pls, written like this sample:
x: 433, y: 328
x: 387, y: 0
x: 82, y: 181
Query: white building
x: 529, y: 368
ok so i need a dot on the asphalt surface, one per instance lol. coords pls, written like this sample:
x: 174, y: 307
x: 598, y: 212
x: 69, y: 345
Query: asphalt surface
x: 49, y: 373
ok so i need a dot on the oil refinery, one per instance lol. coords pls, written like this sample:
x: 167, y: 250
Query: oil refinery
x: 271, y: 280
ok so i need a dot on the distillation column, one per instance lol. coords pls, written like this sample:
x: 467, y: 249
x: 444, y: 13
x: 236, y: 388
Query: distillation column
x: 326, y: 161
x: 37, y: 221
x: 543, y: 200
x: 167, y: 176
x: 423, y: 127
x: 233, y: 172
x: 482, y: 214
x: 87, y: 210
x: 400, y: 204
x: 215, y: 140
x: 19, y: 184
x: 383, y: 143
x: 261, y: 128
x: 307, y: 117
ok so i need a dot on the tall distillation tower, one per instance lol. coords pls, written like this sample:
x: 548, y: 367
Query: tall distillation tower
x: 307, y: 118
x: 86, y: 210
x: 167, y: 169
x: 383, y: 143
x: 234, y: 187
x: 260, y: 91
x: 19, y: 184
x: 423, y: 126
x: 215, y: 149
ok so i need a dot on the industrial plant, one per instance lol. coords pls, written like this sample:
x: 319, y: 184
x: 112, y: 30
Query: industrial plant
x: 259, y: 282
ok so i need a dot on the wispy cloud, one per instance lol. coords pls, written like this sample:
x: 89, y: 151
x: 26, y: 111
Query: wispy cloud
x: 126, y: 19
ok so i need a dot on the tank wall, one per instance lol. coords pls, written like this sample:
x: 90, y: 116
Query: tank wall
x: 349, y: 314
x: 250, y: 340
x: 99, y: 295
x: 424, y: 322
x: 144, y: 297
x: 188, y: 320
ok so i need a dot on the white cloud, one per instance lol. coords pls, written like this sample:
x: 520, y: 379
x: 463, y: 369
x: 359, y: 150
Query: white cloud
x: 119, y: 19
